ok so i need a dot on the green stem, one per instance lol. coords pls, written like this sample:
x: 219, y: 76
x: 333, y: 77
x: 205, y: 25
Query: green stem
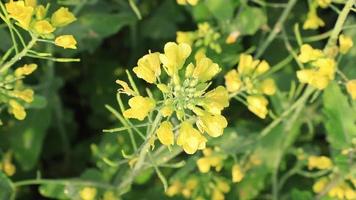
x: 276, y: 29
x: 61, y: 182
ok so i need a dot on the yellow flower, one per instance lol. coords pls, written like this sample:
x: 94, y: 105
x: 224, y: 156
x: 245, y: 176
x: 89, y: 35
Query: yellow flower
x: 217, y: 195
x: 31, y: 3
x: 258, y: 105
x: 41, y: 12
x: 319, y: 162
x: 62, y: 17
x: 148, y: 67
x: 165, y: 133
x: 237, y: 173
x: 337, y: 192
x: 190, y: 139
x: 326, y: 67
x: 174, y: 56
x: 185, y: 37
x: 262, y: 67
x: 323, y: 3
x: 20, y: 12
x: 212, y: 124
x: 345, y: 43
x: 307, y: 53
x: 125, y: 88
x: 268, y: 86
x: 313, y: 21
x: 204, y: 164
x: 223, y: 186
x: 320, y: 185
x: 232, y: 81
x: 167, y: 110
x: 8, y: 168
x: 174, y: 189
x: 246, y: 64
x: 25, y: 70
x: 88, y: 193
x: 43, y: 27
x: 205, y: 69
x: 26, y: 95
x: 232, y: 37
x: 66, y: 41
x: 185, y: 2
x: 140, y: 107
x: 349, y: 193
x: 216, y: 100
x: 109, y: 195
x: 17, y: 109
x: 351, y: 88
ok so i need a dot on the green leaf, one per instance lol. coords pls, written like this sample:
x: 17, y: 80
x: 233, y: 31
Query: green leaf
x: 340, y: 118
x: 221, y: 9
x: 299, y: 194
x: 6, y: 190
x: 249, y: 20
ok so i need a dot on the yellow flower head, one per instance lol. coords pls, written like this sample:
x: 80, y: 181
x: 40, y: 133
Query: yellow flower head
x: 43, y: 27
x: 217, y: 195
x: 262, y: 67
x: 212, y: 124
x: 313, y: 21
x: 204, y: 164
x: 185, y: 37
x: 319, y: 162
x: 237, y: 173
x: 268, y: 86
x: 323, y: 3
x: 148, y: 67
x: 232, y: 37
x: 216, y: 100
x: 320, y: 185
x: 185, y: 2
x: 308, y: 53
x: 190, y: 139
x: 140, y: 107
x: 205, y: 69
x: 165, y: 133
x: 326, y: 67
x: 246, y: 64
x: 41, y: 12
x: 17, y: 110
x: 88, y: 193
x: 20, y: 12
x: 232, y: 81
x: 223, y: 186
x: 209, y: 160
x: 26, y: 95
x: 174, y: 189
x: 174, y: 56
x: 7, y: 166
x: 66, y: 41
x: 62, y: 17
x: 258, y: 105
x: 31, y: 3
x: 351, y: 88
x: 27, y: 69
x: 345, y: 43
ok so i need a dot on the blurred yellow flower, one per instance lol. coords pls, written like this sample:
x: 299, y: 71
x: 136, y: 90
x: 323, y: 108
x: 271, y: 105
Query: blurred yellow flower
x: 174, y: 189
x: 174, y: 56
x: 258, y: 105
x: 320, y: 185
x: 17, y: 109
x: 268, y: 86
x: 25, y: 70
x: 31, y: 3
x: 62, y: 17
x: 246, y: 64
x: 237, y: 173
x: 308, y: 53
x: 66, y: 41
x: 40, y: 12
x: 43, y: 27
x: 148, y: 67
x: 26, y: 95
x: 212, y: 124
x: 232, y: 81
x: 165, y: 133
x: 88, y: 193
x: 140, y: 107
x: 323, y: 3
x: 319, y: 162
x: 20, y: 12
x: 313, y: 21
x: 205, y: 69
x: 345, y: 43
x: 351, y: 88
x: 262, y: 67
x: 190, y: 139
x: 216, y: 100
x: 185, y: 37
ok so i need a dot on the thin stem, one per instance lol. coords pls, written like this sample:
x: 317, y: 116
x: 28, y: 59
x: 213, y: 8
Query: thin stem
x: 61, y: 182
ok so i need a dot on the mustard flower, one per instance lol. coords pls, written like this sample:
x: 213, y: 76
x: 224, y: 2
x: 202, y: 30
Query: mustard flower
x: 258, y: 105
x: 216, y: 100
x: 319, y: 162
x: 313, y: 21
x: 345, y: 43
x: 308, y: 53
x: 214, y: 125
x: 237, y: 173
x: 62, y: 17
x: 174, y: 189
x: 351, y: 88
x: 232, y: 81
x: 66, y: 41
x: 140, y: 107
x: 165, y: 133
x: 190, y: 139
x: 209, y: 160
x: 268, y: 86
x: 174, y: 56
x: 185, y: 37
x: 205, y: 70
x: 20, y: 12
x: 43, y: 27
x: 88, y: 193
x: 323, y: 3
x: 148, y: 67
x: 25, y: 70
x: 26, y: 95
x: 17, y: 110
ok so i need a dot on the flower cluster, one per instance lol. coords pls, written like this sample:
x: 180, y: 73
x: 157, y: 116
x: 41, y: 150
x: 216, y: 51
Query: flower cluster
x: 313, y: 21
x: 199, y: 188
x: 342, y: 190
x: 319, y: 162
x: 247, y: 78
x: 211, y: 159
x: 185, y: 95
x: 204, y: 38
x: 14, y: 93
x: 33, y: 18
x: 320, y: 69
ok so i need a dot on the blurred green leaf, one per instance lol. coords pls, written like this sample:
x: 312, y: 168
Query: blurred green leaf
x: 5, y: 187
x: 249, y: 20
x: 221, y: 9
x: 298, y: 195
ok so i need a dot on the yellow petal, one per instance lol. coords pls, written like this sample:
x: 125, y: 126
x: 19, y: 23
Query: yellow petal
x: 313, y: 21
x: 308, y: 53
x: 319, y: 162
x: 62, y: 17
x: 43, y: 27
x: 66, y: 41
x: 232, y: 81
x: 213, y: 124
x: 148, y: 67
x: 345, y: 43
x: 205, y: 69
x: 237, y: 174
x: 20, y: 12
x: 25, y: 70
x: 351, y: 88
x: 258, y: 105
x: 203, y: 165
x: 216, y: 100
x: 125, y: 88
x: 174, y: 56
x: 165, y: 133
x: 140, y: 107
x: 88, y: 193
x: 268, y: 86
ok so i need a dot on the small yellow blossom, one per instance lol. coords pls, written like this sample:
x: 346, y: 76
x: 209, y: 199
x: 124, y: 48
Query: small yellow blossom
x: 88, y: 193
x: 66, y: 41
x: 174, y: 189
x: 351, y: 88
x: 25, y: 70
x: 232, y: 37
x: 323, y: 3
x: 336, y: 192
x: 319, y: 162
x: 209, y: 160
x: 205, y: 69
x: 31, y: 3
x: 246, y: 64
x: 308, y: 53
x: 167, y: 110
x: 216, y: 100
x: 185, y: 2
x: 43, y: 27
x: 345, y: 43
x: 165, y: 133
x: 148, y: 67
x: 232, y: 81
x: 204, y: 164
x: 62, y: 17
x: 125, y: 88
x: 223, y: 186
x: 262, y: 67
x: 7, y: 166
x: 190, y: 139
x: 140, y: 107
x: 320, y: 185
x: 313, y: 21
x: 174, y: 56
x: 17, y: 109
x: 20, y: 12
x: 40, y: 12
x: 326, y: 67
x: 26, y: 95
x: 258, y: 105
x: 185, y: 37
x: 217, y: 195
x: 237, y: 173
x: 268, y: 86
x: 212, y: 124
x: 350, y: 194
